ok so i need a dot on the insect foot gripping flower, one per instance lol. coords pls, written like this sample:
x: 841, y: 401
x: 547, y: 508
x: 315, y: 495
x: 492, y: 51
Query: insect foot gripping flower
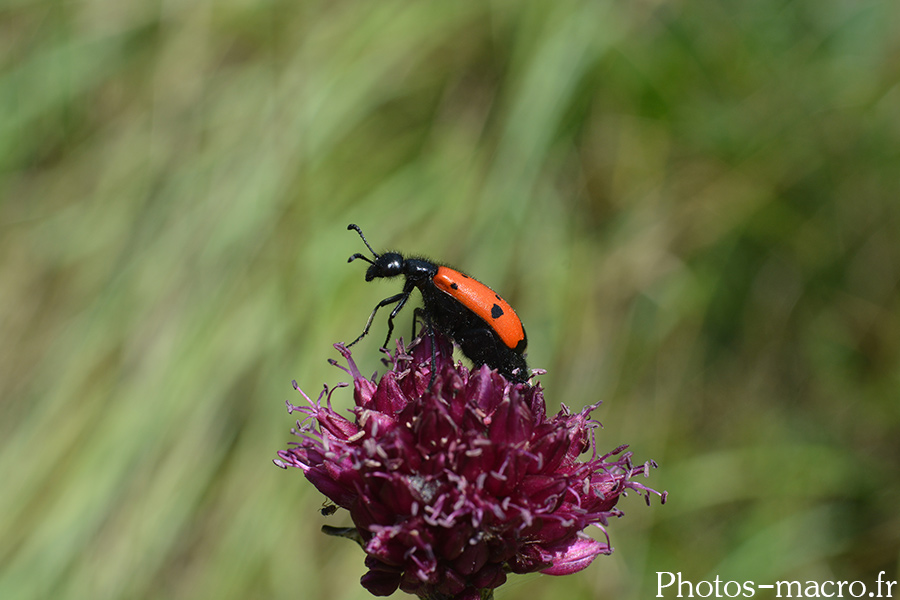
x: 453, y: 485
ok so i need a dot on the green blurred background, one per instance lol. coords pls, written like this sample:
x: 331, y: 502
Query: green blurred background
x: 692, y: 205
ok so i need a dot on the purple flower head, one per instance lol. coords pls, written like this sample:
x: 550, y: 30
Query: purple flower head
x: 450, y: 487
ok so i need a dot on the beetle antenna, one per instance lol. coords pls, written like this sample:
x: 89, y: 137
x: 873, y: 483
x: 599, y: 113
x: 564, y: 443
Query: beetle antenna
x: 358, y: 255
x: 365, y: 241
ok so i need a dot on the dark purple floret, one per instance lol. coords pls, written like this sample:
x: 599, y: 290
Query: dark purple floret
x: 450, y: 487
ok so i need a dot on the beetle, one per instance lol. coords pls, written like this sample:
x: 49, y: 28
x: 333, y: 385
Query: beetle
x: 484, y: 325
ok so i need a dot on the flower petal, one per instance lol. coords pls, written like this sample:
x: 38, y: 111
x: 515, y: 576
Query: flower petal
x: 577, y: 557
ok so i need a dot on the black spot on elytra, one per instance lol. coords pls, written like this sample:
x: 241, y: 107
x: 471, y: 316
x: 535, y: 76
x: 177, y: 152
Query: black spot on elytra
x: 454, y: 286
x: 496, y: 312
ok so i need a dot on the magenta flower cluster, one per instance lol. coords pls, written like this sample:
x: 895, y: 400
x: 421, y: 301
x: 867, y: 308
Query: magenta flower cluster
x: 455, y: 483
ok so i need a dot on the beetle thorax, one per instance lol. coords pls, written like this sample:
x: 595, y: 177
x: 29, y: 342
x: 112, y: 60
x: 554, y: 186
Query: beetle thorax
x: 419, y: 270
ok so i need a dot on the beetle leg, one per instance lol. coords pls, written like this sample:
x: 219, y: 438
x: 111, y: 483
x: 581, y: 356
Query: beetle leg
x: 420, y: 312
x: 400, y: 298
